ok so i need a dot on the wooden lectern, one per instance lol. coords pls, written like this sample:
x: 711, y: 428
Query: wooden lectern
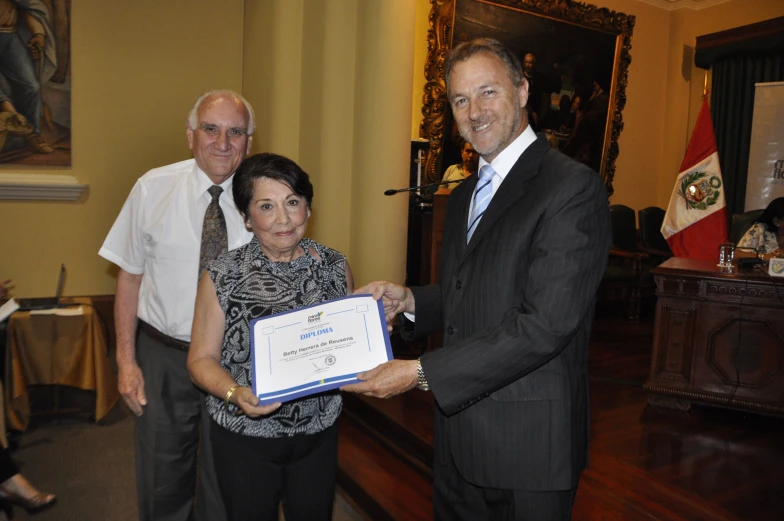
x: 439, y: 216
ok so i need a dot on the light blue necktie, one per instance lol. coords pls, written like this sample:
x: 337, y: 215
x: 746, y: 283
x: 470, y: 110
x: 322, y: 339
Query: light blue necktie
x: 482, y: 196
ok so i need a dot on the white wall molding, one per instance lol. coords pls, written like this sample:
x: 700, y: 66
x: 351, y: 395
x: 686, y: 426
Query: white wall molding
x: 40, y: 187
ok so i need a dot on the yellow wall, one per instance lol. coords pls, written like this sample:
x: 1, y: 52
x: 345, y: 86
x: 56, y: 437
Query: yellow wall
x: 299, y: 75
x: 272, y: 75
x: 421, y: 26
x: 639, y: 162
x: 137, y: 68
x: 331, y: 84
x: 331, y: 81
x: 663, y: 95
x: 324, y: 77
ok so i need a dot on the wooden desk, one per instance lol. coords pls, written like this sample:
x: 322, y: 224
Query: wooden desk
x: 718, y: 338
x: 56, y: 350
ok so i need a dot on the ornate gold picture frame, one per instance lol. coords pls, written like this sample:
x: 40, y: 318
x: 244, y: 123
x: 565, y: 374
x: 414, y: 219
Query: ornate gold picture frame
x: 584, y: 47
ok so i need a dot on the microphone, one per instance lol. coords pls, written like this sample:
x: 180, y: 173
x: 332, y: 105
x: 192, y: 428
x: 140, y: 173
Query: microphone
x: 393, y: 191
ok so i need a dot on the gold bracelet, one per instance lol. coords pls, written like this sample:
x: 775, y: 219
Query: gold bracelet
x: 228, y: 395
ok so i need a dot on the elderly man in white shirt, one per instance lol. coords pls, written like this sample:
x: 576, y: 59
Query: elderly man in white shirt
x: 177, y: 218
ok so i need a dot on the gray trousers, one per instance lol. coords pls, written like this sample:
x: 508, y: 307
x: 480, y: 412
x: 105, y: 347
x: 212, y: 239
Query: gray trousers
x: 175, y: 475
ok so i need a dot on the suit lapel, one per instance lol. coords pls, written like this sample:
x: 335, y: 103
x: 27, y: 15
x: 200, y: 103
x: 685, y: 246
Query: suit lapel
x: 511, y: 190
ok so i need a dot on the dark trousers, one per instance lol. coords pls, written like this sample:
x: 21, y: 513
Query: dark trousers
x: 256, y: 474
x: 174, y: 467
x: 7, y: 467
x: 456, y: 499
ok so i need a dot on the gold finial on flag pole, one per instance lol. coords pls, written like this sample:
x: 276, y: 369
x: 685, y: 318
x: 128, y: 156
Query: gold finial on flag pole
x: 705, y: 84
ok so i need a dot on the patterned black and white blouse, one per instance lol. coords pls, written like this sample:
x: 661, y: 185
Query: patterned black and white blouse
x: 759, y: 238
x: 249, y: 285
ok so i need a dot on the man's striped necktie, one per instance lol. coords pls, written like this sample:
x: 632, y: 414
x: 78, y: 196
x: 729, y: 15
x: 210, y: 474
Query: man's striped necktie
x: 482, y: 196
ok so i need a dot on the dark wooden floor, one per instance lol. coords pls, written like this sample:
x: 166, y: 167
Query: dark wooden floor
x: 645, y: 464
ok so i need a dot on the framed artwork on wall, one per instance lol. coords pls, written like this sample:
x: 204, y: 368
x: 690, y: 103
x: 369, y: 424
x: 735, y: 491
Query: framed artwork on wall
x: 35, y: 82
x: 575, y: 57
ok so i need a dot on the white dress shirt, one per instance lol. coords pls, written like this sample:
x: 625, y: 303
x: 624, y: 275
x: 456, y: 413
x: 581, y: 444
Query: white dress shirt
x: 454, y: 173
x: 504, y: 161
x: 158, y: 234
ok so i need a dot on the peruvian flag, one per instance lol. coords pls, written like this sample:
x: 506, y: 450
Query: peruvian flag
x: 696, y: 223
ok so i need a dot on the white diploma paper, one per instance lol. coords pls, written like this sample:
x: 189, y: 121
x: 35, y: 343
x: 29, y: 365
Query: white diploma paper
x: 7, y: 309
x: 317, y: 348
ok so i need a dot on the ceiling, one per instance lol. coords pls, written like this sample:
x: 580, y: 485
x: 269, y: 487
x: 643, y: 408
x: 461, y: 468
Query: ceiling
x: 671, y: 5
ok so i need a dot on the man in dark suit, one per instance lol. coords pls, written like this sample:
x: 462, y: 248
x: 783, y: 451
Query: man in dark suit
x: 524, y: 248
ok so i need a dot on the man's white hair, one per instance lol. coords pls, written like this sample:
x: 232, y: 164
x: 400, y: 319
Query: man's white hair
x: 193, y: 115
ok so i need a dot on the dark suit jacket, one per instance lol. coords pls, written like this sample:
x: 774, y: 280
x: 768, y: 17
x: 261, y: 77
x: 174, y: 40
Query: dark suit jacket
x: 515, y: 306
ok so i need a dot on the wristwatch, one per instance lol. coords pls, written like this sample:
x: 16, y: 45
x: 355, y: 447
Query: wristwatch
x: 422, y: 381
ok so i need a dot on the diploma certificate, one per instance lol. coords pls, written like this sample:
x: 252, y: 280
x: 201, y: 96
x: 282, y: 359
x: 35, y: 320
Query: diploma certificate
x: 317, y: 348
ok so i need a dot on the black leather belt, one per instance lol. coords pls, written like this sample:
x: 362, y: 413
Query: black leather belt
x: 164, y: 339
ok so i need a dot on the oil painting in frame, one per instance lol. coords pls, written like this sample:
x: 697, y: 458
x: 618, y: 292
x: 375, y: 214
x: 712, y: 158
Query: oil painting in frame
x: 577, y: 55
x: 35, y: 79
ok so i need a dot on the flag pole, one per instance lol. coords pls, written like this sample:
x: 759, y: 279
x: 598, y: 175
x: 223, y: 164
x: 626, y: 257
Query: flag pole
x: 705, y: 84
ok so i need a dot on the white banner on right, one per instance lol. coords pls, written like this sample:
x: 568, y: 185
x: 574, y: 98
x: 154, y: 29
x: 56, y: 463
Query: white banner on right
x: 765, y: 180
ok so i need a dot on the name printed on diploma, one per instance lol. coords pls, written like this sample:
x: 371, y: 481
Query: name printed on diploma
x: 318, y: 348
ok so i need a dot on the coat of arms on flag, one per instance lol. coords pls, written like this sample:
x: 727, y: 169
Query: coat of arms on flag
x: 700, y: 190
x: 696, y: 222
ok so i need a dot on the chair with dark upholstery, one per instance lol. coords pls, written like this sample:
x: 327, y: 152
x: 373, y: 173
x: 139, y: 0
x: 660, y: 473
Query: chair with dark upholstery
x: 625, y: 271
x: 624, y: 227
x: 741, y: 222
x: 652, y: 241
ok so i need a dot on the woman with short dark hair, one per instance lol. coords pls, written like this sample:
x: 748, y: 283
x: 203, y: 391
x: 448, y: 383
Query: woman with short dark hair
x: 766, y: 235
x: 273, y: 453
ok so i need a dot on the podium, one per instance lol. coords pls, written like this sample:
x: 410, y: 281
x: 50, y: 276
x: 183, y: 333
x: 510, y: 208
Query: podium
x: 420, y: 220
x: 437, y: 233
x: 426, y: 215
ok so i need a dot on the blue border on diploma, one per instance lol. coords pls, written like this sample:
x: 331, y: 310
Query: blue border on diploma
x: 317, y: 386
